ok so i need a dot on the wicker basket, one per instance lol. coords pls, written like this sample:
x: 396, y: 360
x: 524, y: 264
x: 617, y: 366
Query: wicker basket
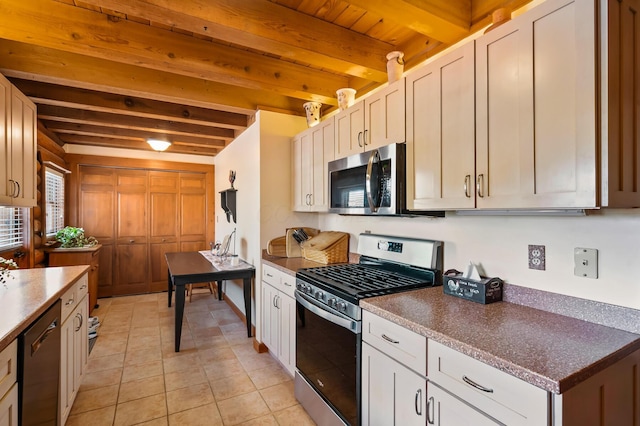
x: 327, y: 247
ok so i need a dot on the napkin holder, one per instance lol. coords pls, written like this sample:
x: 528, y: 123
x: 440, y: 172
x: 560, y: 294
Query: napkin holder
x: 484, y: 290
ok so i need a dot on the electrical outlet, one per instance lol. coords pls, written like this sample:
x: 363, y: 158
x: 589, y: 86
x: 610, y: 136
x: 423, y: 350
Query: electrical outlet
x: 537, y: 258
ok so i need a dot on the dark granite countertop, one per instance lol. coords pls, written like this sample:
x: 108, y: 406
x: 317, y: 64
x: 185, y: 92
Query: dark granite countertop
x: 548, y: 350
x: 27, y: 293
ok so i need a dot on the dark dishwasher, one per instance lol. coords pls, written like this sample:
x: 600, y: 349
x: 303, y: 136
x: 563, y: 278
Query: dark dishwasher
x: 39, y: 370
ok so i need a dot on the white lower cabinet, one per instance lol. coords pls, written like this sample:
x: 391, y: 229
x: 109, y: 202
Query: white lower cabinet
x: 9, y: 385
x: 279, y: 316
x: 394, y: 382
x: 74, y: 344
x: 392, y: 394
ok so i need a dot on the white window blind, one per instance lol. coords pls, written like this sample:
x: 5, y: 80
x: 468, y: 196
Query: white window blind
x: 54, y: 201
x: 11, y: 228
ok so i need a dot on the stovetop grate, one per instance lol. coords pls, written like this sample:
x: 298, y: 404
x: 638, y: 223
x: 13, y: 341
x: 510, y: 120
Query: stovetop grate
x: 368, y: 280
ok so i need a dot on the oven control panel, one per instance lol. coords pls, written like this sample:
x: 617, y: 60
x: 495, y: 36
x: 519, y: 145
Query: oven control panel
x: 393, y: 246
x: 328, y: 299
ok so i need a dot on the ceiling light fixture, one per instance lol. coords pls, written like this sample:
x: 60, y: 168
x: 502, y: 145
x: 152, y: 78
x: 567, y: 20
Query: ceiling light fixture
x: 158, y: 145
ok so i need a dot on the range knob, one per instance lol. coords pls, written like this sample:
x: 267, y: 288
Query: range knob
x: 331, y: 302
x: 319, y: 295
x: 341, y: 306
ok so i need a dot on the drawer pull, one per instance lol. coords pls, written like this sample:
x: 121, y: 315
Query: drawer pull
x: 475, y: 385
x: 288, y: 285
x: 69, y: 302
x: 389, y: 339
x: 418, y: 402
x: 431, y: 410
x: 269, y: 275
x: 82, y: 287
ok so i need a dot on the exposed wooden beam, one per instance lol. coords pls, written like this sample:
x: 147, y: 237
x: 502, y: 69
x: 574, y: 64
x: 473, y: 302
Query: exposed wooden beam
x: 123, y: 133
x: 134, y: 144
x: 448, y: 21
x: 269, y: 27
x: 30, y: 62
x: 54, y: 113
x: 94, y: 34
x: 49, y: 134
x: 52, y: 94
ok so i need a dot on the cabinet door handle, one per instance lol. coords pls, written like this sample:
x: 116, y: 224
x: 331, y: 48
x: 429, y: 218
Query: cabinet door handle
x: 79, y: 316
x: 364, y: 137
x: 467, y: 185
x: 418, y: 402
x: 360, y: 139
x: 389, y: 339
x: 431, y: 410
x: 480, y: 185
x: 17, y: 189
x: 476, y: 385
x: 132, y: 241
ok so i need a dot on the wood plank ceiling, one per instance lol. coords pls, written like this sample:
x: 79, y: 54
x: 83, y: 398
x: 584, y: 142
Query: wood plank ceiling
x: 116, y: 72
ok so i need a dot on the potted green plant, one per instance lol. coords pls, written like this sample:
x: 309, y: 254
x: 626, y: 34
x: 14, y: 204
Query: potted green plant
x: 6, y: 265
x: 70, y: 237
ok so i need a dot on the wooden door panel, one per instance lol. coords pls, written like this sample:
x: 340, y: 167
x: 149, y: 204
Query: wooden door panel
x: 164, y: 217
x: 132, y: 217
x: 105, y: 270
x: 96, y: 176
x: 192, y: 182
x: 163, y: 182
x: 97, y: 214
x: 159, y: 264
x: 192, y: 215
x: 131, y: 269
x: 193, y: 245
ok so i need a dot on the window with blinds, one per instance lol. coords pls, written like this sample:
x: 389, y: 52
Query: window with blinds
x: 11, y: 228
x: 54, y: 201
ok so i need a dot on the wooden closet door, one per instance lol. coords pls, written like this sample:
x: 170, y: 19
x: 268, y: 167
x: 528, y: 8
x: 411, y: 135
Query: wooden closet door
x: 193, y: 212
x: 163, y: 224
x: 96, y: 215
x: 132, y: 274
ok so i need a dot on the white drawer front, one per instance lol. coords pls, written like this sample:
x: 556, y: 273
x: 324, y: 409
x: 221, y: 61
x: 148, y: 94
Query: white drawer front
x: 270, y: 275
x: 399, y: 343
x: 69, y: 300
x: 288, y: 284
x: 501, y: 395
x: 83, y: 286
x: 8, y: 367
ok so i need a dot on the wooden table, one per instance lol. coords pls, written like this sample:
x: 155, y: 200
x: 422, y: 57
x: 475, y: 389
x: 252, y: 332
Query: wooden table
x: 192, y: 267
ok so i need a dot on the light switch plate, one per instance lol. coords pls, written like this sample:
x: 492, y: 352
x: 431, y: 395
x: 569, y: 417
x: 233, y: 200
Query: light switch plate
x: 585, y: 261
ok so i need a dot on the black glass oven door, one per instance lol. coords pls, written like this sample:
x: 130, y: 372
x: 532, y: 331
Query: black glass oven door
x: 328, y: 347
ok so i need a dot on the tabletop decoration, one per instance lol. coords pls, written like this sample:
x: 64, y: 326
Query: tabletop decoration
x: 6, y: 265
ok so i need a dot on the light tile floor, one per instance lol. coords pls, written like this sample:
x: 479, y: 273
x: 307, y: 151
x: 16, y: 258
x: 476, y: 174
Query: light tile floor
x: 135, y: 377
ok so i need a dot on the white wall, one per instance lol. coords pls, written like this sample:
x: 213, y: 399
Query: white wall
x: 261, y: 159
x: 499, y: 244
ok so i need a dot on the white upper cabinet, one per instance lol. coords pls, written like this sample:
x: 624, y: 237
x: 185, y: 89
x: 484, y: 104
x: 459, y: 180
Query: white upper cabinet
x: 312, y: 150
x: 441, y: 133
x: 18, y: 147
x: 373, y: 122
x: 554, y: 122
x: 536, y: 110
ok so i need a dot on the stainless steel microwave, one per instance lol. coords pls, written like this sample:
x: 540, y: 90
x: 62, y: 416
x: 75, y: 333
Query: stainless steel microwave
x: 370, y: 183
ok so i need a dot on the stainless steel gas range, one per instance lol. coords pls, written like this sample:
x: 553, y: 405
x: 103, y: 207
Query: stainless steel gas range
x: 329, y: 327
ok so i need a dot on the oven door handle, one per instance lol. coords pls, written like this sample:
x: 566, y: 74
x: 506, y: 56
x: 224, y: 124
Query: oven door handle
x: 335, y: 318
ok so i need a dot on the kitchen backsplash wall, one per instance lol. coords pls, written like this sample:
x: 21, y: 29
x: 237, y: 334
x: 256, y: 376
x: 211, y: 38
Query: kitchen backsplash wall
x: 499, y: 244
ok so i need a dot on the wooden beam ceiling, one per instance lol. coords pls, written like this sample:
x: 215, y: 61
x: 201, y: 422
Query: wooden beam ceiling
x: 116, y: 72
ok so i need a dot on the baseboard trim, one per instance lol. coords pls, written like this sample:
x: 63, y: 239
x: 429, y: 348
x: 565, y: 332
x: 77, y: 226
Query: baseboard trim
x: 259, y: 347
